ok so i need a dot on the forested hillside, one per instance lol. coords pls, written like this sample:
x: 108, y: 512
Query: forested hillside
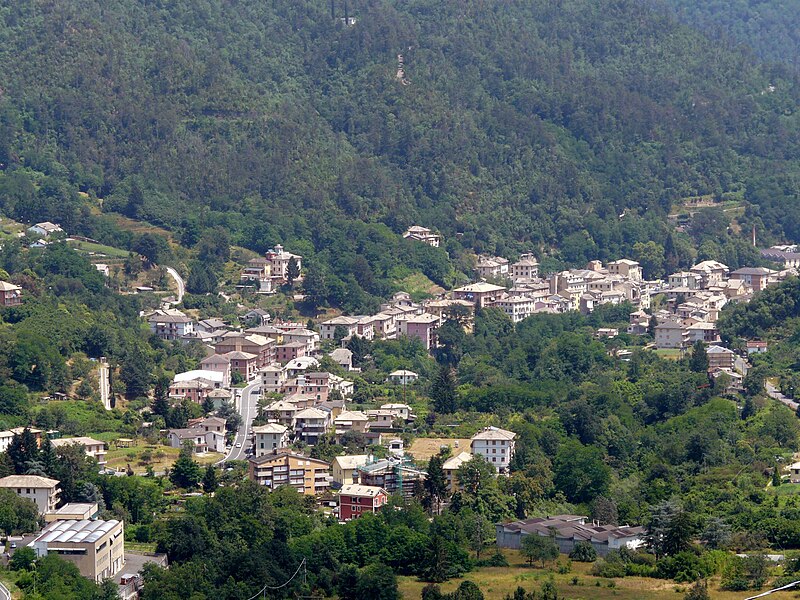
x: 570, y: 127
x: 770, y: 27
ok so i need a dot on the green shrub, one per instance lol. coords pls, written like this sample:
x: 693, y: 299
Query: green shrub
x: 583, y: 552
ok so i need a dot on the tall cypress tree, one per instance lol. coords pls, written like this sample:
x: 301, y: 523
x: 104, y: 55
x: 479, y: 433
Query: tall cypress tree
x: 443, y: 390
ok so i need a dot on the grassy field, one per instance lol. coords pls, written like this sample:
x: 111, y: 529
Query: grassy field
x: 669, y: 353
x: 497, y: 582
x: 418, y: 285
x: 423, y: 448
x: 99, y: 250
x: 139, y: 457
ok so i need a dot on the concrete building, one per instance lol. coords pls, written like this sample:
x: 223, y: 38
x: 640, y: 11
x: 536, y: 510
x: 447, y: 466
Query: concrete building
x: 402, y: 377
x: 671, y: 334
x: 517, y: 307
x: 308, y: 476
x: 310, y: 424
x: 344, y: 469
x: 757, y: 278
x: 481, y: 294
x: 97, y: 548
x: 170, y: 327
x: 629, y: 269
x: 270, y: 437
x: 42, y: 490
x: 423, y: 234
x: 720, y: 358
x: 94, y: 448
x: 356, y: 500
x: 422, y: 327
x: 496, y: 446
x: 202, y: 440
x: 389, y: 474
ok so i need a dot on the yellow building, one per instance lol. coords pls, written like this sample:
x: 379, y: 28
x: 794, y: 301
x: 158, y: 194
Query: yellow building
x: 307, y: 475
x: 450, y: 468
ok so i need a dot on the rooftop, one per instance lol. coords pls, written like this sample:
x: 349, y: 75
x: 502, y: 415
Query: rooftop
x: 494, y: 433
x: 365, y: 491
x: 27, y: 481
x: 75, y: 532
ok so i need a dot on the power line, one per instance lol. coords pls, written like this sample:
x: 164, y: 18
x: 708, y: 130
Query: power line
x: 270, y: 587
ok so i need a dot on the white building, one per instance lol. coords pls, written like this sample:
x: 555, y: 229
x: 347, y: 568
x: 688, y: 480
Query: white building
x: 527, y: 267
x: 42, y: 490
x: 45, y: 229
x: 402, y: 377
x: 517, y: 307
x: 496, y: 446
x: 270, y: 437
x: 423, y: 234
x: 94, y: 448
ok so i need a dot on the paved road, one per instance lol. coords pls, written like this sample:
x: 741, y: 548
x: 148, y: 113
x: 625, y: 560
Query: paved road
x: 178, y: 282
x: 741, y: 365
x: 773, y: 392
x: 248, y: 407
x: 4, y: 593
x: 105, y: 391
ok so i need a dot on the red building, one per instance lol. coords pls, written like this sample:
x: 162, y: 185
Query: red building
x: 290, y: 351
x: 355, y: 500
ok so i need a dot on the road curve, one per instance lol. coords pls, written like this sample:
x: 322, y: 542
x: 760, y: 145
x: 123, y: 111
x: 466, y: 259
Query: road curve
x: 248, y: 408
x: 773, y: 392
x: 178, y: 282
x: 4, y: 593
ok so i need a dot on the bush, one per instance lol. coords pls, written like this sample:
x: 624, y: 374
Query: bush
x: 22, y: 559
x: 604, y: 568
x: 498, y: 559
x: 583, y: 552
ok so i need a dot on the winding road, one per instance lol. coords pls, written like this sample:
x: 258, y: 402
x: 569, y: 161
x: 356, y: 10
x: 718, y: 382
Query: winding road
x: 248, y: 409
x: 178, y: 282
x: 773, y: 392
x: 4, y: 593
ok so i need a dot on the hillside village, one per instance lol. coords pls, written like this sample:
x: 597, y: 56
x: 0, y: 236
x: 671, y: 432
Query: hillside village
x: 288, y: 382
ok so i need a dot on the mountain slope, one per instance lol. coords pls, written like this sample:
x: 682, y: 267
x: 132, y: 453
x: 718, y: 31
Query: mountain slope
x: 523, y: 124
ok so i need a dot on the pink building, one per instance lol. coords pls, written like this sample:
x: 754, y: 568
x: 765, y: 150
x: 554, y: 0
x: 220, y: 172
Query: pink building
x: 423, y: 327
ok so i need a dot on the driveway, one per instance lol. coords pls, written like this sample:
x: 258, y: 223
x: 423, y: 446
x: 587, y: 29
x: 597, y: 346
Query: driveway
x: 178, y: 282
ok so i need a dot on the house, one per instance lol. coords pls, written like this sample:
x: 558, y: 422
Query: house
x: 103, y: 269
x: 402, y: 377
x: 381, y: 419
x: 350, y: 420
x: 629, y: 269
x: 481, y: 294
x: 250, y: 343
x: 794, y: 472
x: 298, y: 366
x: 170, y: 327
x: 216, y: 424
x: 345, y: 468
x: 496, y: 446
x: 450, y: 468
x: 258, y: 273
x: 273, y: 378
x: 423, y: 234
x: 218, y: 363
x: 568, y: 530
x: 310, y: 424
x: 400, y: 411
x: 355, y: 500
x: 220, y: 397
x: 671, y: 334
x: 756, y: 347
x: 756, y: 278
x: 308, y: 476
x: 97, y: 548
x: 343, y: 357
x: 348, y: 326
x: 491, y: 267
x: 527, y: 267
x: 703, y: 331
x: 45, y: 229
x: 42, y: 490
x: 211, y: 326
x: 270, y: 437
x: 196, y: 390
x: 391, y: 475
x: 282, y: 412
x: 10, y: 294
x: 711, y: 272
x: 243, y: 363
x: 306, y: 336
x: 720, y: 358
x: 94, y: 448
x: 279, y: 261
x: 256, y: 317
x: 788, y: 255
x: 422, y: 327
x: 517, y: 307
x: 6, y: 437
x: 202, y: 440
x: 607, y: 332
x: 287, y: 352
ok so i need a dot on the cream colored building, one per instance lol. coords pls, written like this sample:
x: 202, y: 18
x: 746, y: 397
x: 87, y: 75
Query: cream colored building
x: 97, y: 548
x: 450, y: 468
x: 496, y: 446
x: 42, y: 490
x: 94, y: 448
x: 345, y: 468
x: 73, y: 511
